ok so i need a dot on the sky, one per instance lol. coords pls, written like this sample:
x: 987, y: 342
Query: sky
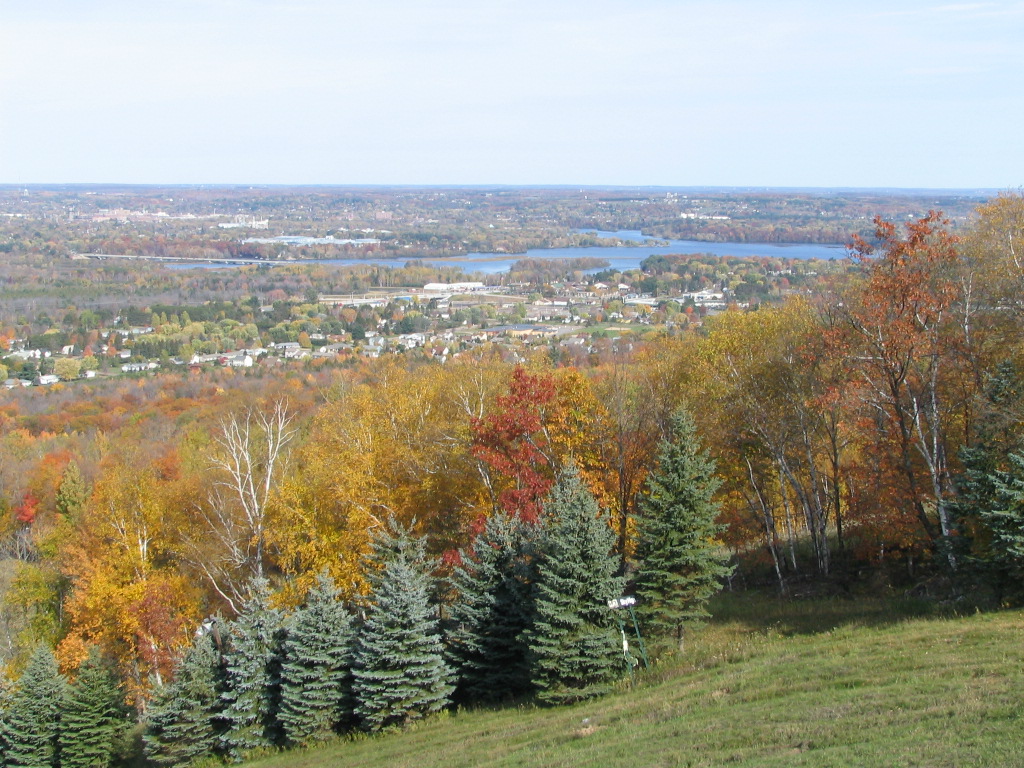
x: 790, y: 93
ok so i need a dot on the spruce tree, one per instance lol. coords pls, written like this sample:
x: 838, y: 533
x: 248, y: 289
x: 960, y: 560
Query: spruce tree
x: 183, y: 722
x: 400, y: 673
x: 6, y: 693
x: 680, y: 566
x: 575, y: 647
x: 316, y: 670
x: 492, y: 611
x: 33, y: 716
x: 252, y: 676
x: 989, y: 512
x: 94, y: 717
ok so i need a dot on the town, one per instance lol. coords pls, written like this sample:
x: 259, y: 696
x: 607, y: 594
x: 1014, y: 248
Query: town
x: 440, y: 320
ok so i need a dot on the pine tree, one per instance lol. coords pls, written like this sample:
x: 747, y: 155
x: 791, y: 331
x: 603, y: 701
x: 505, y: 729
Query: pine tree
x: 680, y: 566
x: 183, y: 721
x: 33, y: 716
x: 316, y: 671
x: 94, y: 716
x: 400, y: 673
x: 253, y: 675
x: 493, y: 610
x: 575, y: 648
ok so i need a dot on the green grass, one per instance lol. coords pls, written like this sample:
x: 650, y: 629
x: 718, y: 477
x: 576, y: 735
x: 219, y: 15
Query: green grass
x: 816, y: 683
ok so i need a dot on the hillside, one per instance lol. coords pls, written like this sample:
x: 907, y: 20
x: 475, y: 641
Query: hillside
x: 816, y: 684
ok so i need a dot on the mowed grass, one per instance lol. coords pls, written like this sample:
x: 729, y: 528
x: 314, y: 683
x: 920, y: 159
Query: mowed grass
x: 816, y: 683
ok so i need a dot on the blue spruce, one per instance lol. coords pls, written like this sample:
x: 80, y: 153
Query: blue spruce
x: 316, y: 670
x: 400, y: 673
x: 183, y: 722
x: 252, y: 676
x: 575, y: 646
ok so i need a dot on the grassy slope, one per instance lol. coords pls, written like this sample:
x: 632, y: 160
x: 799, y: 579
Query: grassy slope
x: 815, y: 684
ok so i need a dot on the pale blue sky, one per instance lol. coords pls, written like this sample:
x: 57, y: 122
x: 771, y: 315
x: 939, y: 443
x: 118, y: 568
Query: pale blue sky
x: 630, y: 92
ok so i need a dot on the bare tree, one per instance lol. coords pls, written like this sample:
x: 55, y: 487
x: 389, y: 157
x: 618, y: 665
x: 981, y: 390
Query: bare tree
x: 231, y: 547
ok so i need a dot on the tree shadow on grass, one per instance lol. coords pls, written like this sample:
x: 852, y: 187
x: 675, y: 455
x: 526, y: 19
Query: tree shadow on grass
x: 760, y: 612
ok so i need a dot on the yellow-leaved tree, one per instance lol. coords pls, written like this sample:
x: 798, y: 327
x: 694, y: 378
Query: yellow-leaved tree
x: 128, y: 594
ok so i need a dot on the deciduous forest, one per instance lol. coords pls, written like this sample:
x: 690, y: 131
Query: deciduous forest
x: 857, y: 433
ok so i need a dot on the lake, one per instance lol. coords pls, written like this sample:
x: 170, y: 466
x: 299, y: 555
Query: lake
x: 620, y: 258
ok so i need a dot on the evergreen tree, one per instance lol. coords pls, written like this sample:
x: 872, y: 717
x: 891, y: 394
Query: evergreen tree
x: 183, y: 722
x: 94, y: 717
x: 680, y: 567
x: 6, y: 693
x: 989, y: 513
x: 400, y: 673
x: 252, y: 675
x: 316, y: 671
x: 72, y: 492
x: 493, y: 610
x: 575, y: 648
x: 33, y: 716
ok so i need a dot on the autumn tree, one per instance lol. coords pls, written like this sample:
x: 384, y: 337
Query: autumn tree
x: 514, y: 447
x: 768, y: 396
x: 902, y: 354
x: 128, y: 594
x: 397, y: 444
x: 632, y: 427
x: 544, y: 421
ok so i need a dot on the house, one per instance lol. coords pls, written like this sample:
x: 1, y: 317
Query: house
x: 237, y: 360
x: 46, y: 379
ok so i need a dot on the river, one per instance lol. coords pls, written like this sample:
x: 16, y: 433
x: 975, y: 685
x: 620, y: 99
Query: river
x: 620, y: 258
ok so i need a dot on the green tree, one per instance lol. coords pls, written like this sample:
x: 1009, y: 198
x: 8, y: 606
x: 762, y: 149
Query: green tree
x: 316, y: 671
x: 680, y: 565
x: 183, y: 721
x: 400, y: 673
x: 32, y: 721
x: 252, y: 669
x: 94, y: 717
x: 6, y: 694
x: 72, y: 492
x: 989, y: 512
x: 493, y: 610
x: 67, y: 368
x: 575, y: 649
